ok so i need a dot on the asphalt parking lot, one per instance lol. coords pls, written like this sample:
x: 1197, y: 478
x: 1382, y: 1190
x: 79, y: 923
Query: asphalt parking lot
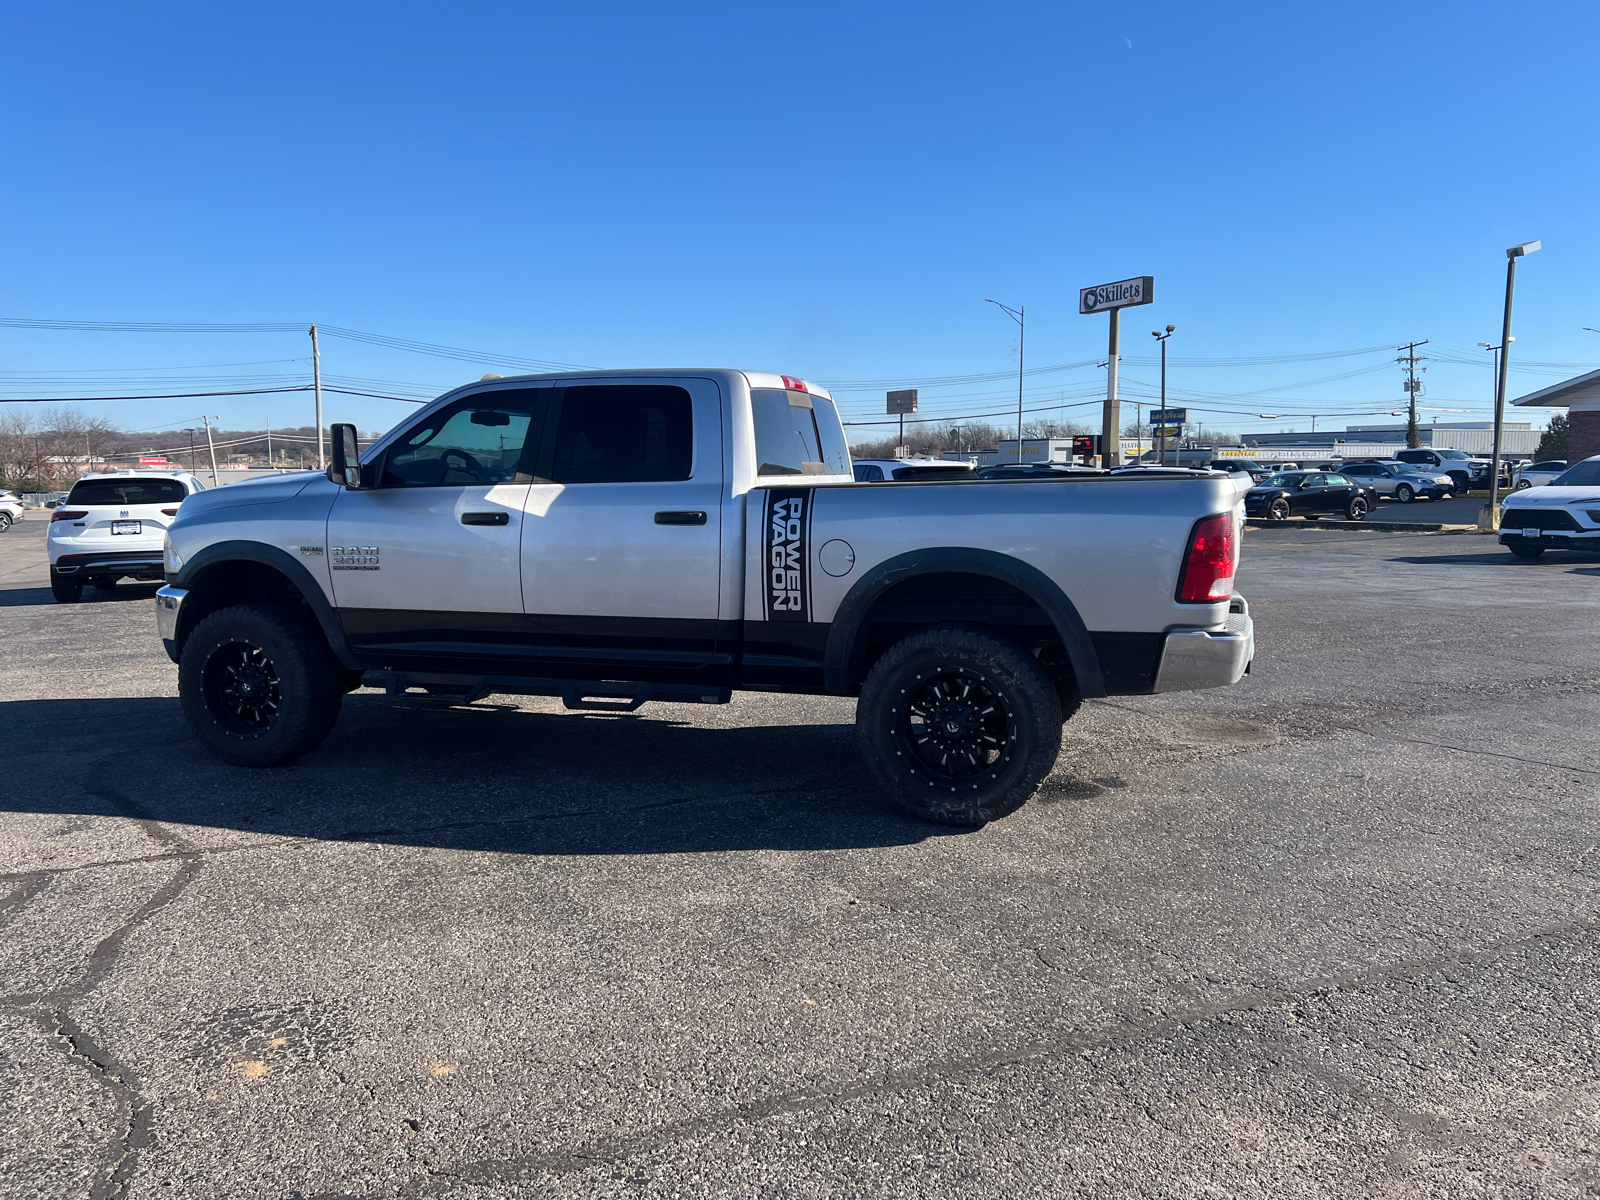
x: 1332, y: 932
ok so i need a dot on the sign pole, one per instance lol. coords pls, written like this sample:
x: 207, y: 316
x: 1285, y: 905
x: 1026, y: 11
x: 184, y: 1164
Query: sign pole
x: 1110, y: 448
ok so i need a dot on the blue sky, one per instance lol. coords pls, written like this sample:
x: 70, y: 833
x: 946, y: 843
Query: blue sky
x: 826, y: 190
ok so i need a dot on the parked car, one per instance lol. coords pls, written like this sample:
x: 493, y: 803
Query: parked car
x: 1537, y: 474
x: 111, y: 527
x: 1309, y: 494
x: 910, y: 470
x: 1467, y: 472
x: 1563, y: 514
x: 1036, y: 470
x: 1403, y: 481
x: 617, y: 537
x: 10, y: 510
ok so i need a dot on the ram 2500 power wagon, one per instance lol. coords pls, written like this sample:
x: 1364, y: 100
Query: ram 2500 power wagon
x: 618, y: 537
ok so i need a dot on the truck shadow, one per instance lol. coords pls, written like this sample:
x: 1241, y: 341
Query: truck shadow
x: 489, y: 777
x: 1503, y: 558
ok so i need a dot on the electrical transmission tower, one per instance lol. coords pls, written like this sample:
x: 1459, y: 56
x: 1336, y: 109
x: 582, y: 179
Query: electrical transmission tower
x: 1413, y: 386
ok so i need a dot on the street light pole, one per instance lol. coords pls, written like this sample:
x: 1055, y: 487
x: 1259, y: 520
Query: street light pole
x: 1020, y: 316
x: 1514, y: 253
x: 212, y: 446
x: 1162, y: 338
x: 316, y: 382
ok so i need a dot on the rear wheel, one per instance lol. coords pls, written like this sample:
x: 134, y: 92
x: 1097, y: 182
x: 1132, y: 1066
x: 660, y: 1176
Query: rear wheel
x: 961, y: 725
x: 258, y: 685
x: 1525, y: 551
x: 1278, y: 510
x: 5, y: 521
x: 1358, y: 508
x: 1523, y: 483
x: 66, y: 591
x: 1405, y: 493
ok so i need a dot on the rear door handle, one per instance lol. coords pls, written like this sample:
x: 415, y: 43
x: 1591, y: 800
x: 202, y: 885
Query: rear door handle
x: 680, y: 518
x: 488, y: 518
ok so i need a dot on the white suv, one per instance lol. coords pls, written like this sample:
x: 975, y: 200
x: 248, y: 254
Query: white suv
x: 10, y: 509
x: 113, y: 526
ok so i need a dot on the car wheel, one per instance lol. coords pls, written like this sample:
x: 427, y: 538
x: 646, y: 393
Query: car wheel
x: 5, y: 521
x: 66, y: 591
x: 1525, y: 551
x: 1278, y: 510
x: 959, y: 724
x: 258, y: 686
x: 1358, y: 508
x: 1405, y: 493
x: 1523, y: 483
x: 103, y: 585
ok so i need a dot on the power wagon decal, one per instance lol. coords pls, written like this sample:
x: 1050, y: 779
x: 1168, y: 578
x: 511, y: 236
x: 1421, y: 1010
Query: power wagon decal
x: 786, y: 547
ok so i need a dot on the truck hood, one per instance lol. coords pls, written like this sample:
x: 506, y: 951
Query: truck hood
x: 270, y: 490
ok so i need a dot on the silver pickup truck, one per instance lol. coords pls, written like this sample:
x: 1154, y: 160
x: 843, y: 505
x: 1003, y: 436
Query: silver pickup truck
x: 623, y: 536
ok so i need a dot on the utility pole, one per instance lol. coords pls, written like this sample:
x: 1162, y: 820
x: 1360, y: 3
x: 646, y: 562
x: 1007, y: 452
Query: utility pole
x: 1409, y: 361
x: 213, y: 447
x: 1514, y: 253
x: 269, y: 443
x: 316, y: 381
x: 1020, y: 316
x: 1162, y: 338
x: 192, y: 466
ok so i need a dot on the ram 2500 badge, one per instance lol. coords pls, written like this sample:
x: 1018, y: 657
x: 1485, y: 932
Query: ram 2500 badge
x: 619, y: 537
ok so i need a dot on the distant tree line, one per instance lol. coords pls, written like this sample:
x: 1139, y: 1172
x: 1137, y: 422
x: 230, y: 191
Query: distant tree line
x: 934, y: 438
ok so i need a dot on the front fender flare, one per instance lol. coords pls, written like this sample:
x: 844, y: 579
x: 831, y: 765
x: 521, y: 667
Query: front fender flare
x: 847, y: 645
x: 219, y: 553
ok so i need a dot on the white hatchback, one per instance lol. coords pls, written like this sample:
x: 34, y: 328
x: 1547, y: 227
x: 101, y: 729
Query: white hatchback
x: 112, y: 527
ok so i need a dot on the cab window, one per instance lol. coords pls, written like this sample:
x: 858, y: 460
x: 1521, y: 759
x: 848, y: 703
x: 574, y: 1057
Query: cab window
x: 622, y: 433
x: 866, y: 473
x: 797, y: 434
x: 482, y: 439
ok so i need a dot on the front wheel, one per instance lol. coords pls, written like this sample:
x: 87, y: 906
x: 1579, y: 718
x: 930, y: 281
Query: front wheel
x: 1405, y: 493
x: 1526, y: 551
x: 961, y: 725
x: 1357, y: 510
x: 258, y: 686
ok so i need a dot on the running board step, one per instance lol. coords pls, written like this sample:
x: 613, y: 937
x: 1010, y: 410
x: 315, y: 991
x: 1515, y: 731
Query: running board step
x: 580, y: 694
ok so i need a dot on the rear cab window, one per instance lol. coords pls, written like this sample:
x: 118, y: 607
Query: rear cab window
x: 797, y: 433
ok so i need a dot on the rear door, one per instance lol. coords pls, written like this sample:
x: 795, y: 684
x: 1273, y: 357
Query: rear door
x: 425, y: 565
x: 621, y: 534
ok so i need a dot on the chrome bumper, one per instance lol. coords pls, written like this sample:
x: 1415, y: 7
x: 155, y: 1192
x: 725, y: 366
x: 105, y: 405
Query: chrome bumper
x: 1201, y: 658
x: 168, y: 601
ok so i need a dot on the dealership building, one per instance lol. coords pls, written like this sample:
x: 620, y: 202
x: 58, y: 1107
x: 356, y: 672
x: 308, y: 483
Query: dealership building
x: 1581, y: 398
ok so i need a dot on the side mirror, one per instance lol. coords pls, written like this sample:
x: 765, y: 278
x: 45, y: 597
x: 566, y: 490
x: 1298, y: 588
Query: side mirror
x: 345, y: 467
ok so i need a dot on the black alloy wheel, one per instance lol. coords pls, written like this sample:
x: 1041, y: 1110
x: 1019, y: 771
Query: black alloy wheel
x: 1278, y: 510
x: 1358, y: 508
x: 242, y: 688
x: 960, y: 724
x: 259, y: 684
x: 1405, y: 493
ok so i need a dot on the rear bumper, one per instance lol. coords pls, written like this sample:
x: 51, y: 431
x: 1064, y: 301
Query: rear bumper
x: 169, y: 602
x: 1201, y: 658
x: 125, y: 562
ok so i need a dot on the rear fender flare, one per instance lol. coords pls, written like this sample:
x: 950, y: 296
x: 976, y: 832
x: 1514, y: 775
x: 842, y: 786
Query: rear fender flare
x: 220, y: 553
x: 847, y: 635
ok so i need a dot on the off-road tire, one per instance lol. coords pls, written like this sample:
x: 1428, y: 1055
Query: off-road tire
x: 66, y: 591
x: 953, y: 657
x: 303, y: 685
x: 1525, y: 551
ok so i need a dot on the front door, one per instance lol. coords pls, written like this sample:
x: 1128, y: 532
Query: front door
x: 621, y: 534
x: 425, y: 565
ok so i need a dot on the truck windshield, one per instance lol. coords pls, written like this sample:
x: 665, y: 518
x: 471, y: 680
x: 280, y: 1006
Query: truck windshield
x: 797, y: 434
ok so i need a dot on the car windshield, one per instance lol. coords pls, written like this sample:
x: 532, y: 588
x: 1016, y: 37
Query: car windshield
x: 1585, y: 474
x: 1412, y: 469
x: 126, y: 492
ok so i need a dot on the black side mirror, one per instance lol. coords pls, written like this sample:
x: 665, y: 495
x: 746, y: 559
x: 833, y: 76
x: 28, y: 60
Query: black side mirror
x: 345, y: 467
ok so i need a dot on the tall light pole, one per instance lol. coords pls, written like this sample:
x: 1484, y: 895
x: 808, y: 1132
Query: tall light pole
x: 1162, y: 338
x: 1020, y: 316
x: 316, y: 383
x: 1514, y: 253
x: 212, y: 446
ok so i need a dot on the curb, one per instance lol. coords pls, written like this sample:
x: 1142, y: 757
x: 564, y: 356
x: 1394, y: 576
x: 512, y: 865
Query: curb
x: 1357, y: 526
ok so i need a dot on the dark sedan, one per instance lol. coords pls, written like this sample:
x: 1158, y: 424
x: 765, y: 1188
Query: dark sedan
x: 1309, y: 494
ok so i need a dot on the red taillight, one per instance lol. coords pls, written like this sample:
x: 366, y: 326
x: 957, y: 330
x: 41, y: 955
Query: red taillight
x: 58, y: 515
x: 793, y: 384
x: 1209, y: 565
x: 169, y: 512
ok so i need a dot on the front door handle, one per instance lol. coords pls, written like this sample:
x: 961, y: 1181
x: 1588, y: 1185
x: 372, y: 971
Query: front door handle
x: 488, y: 518
x: 680, y: 518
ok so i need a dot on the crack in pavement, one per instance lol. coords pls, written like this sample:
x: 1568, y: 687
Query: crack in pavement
x: 496, y: 1172
x: 120, y: 1159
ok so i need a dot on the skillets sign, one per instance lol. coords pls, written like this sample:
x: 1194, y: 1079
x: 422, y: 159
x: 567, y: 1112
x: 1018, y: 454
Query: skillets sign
x: 1123, y: 294
x: 787, y: 553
